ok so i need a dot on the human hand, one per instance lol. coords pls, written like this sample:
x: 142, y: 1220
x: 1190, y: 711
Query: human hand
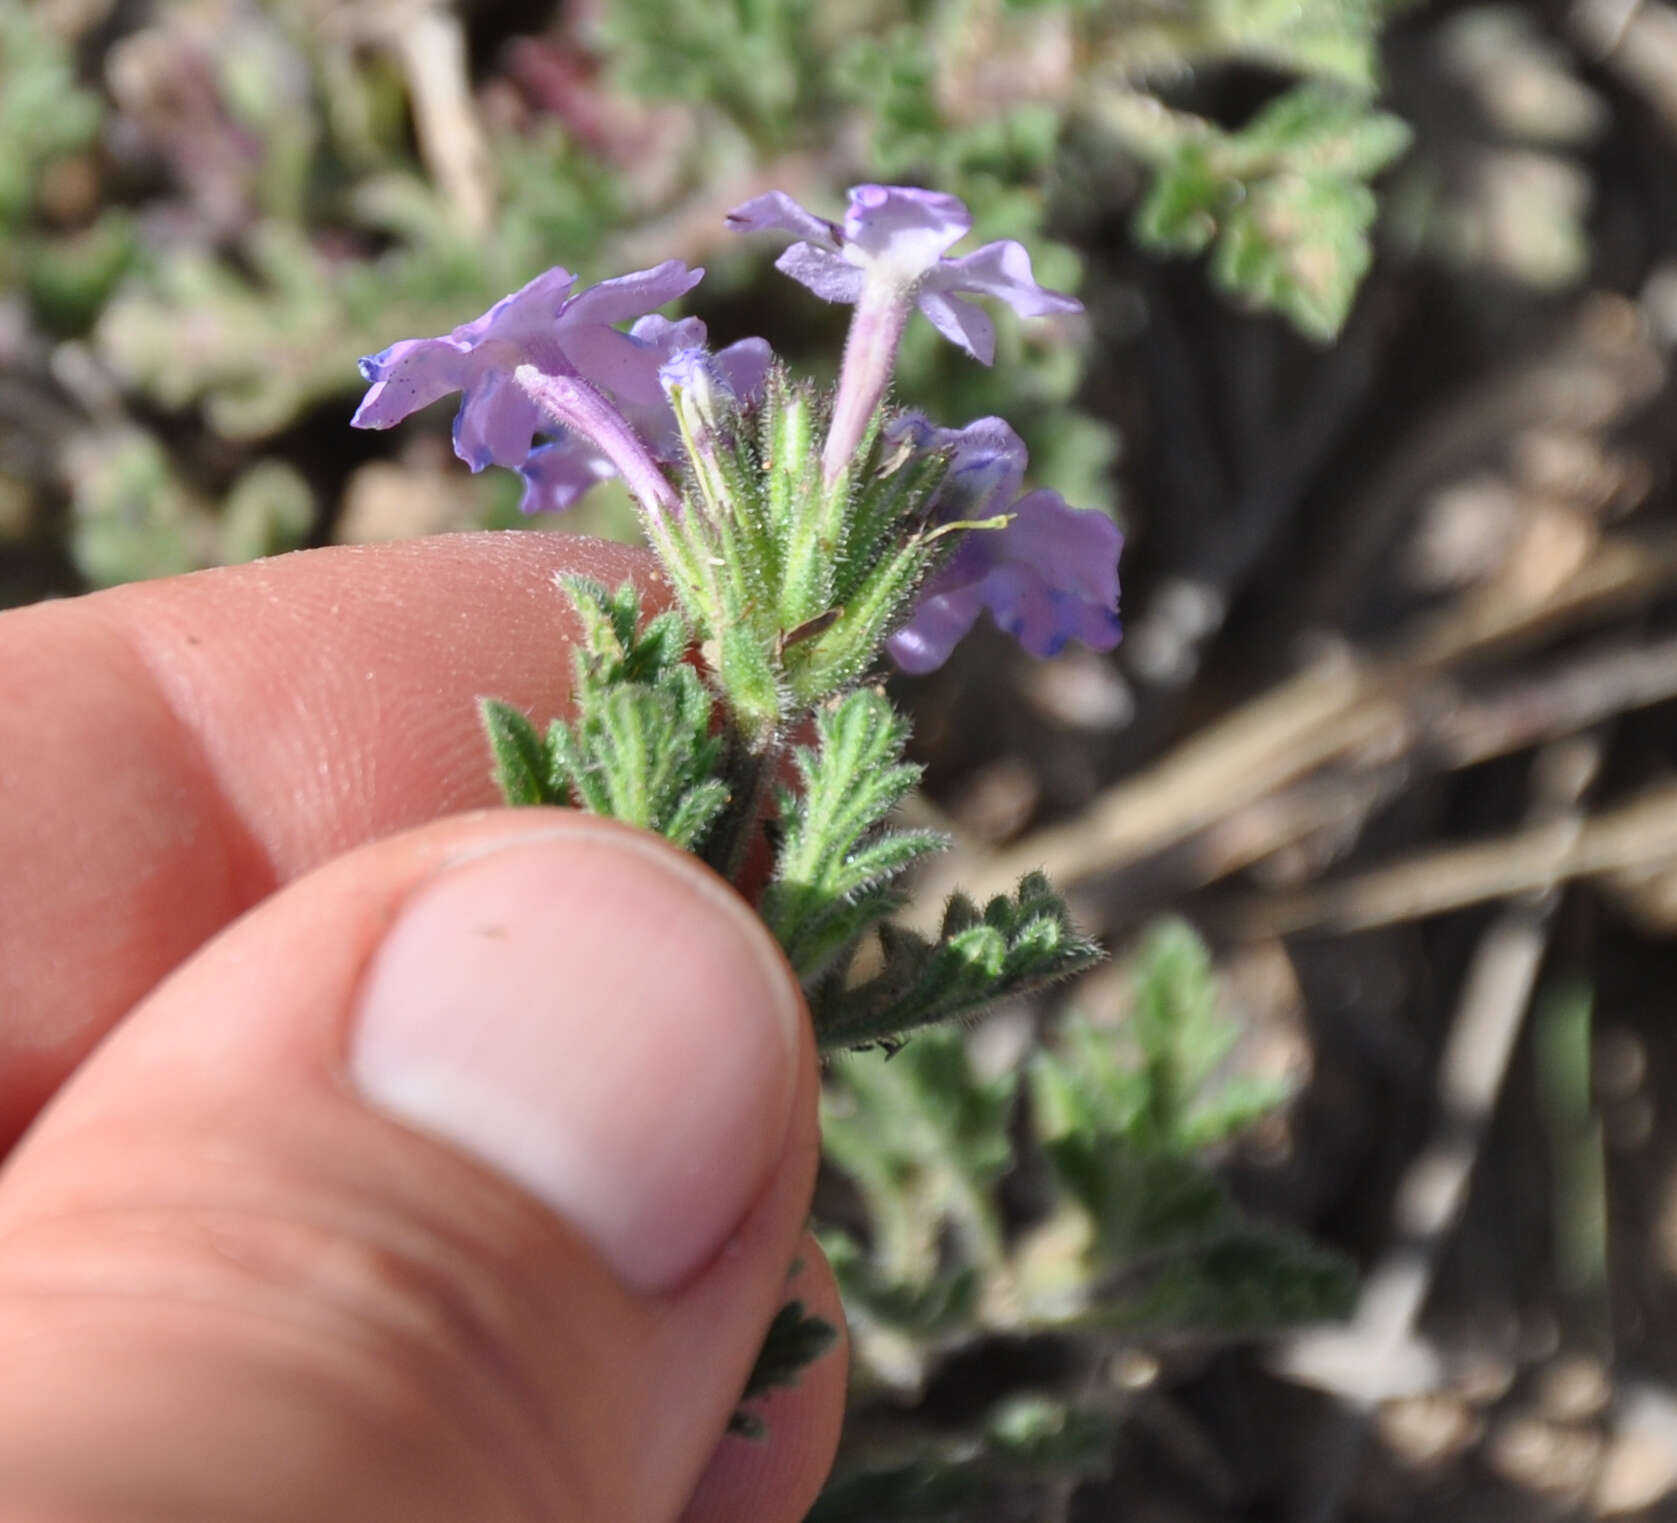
x: 374, y: 1168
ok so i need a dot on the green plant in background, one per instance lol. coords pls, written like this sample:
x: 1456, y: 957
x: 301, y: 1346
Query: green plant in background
x: 47, y: 120
x: 44, y: 113
x: 1284, y: 203
x: 1130, y: 1234
x: 1562, y: 1037
x: 297, y: 225
x: 132, y: 512
x: 256, y: 347
x: 757, y: 62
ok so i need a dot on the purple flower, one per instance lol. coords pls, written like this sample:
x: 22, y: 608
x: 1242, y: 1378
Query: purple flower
x: 896, y: 236
x: 557, y: 474
x: 1049, y: 576
x: 986, y: 465
x: 541, y: 326
x: 888, y: 257
x: 648, y: 409
x: 715, y: 383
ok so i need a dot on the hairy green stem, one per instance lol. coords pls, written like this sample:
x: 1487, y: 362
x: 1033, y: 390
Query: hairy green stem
x: 750, y: 773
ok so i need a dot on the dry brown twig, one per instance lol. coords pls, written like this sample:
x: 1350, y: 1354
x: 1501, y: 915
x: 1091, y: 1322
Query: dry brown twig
x: 1638, y: 835
x: 1377, y: 1355
x: 1448, y: 729
x: 1365, y: 714
x: 428, y: 39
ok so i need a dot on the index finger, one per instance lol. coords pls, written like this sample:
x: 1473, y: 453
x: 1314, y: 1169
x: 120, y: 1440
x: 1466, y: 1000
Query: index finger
x: 171, y: 752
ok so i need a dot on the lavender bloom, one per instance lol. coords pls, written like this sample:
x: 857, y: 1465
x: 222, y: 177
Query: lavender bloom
x: 887, y: 258
x: 1049, y: 576
x: 698, y: 394
x: 540, y: 326
x: 648, y: 409
x: 715, y: 383
x: 557, y: 474
x: 986, y: 466
x: 895, y: 236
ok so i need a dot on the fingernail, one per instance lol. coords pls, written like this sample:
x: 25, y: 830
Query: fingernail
x: 601, y: 1021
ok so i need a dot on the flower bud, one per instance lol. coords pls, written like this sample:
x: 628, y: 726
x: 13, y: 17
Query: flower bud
x: 697, y: 391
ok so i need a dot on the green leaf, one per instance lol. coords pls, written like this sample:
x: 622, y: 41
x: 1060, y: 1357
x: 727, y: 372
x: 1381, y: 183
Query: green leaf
x: 944, y: 1303
x: 924, y: 1139
x: 1299, y: 247
x: 1126, y: 1114
x: 1180, y: 212
x: 794, y: 1341
x: 521, y: 759
x: 1157, y: 1082
x: 43, y: 112
x: 1019, y: 943
x: 1320, y: 130
x: 1252, y: 1279
x: 1140, y: 1203
x: 836, y: 862
x: 639, y: 748
x: 1284, y: 201
x: 758, y: 62
x: 1053, y: 1436
x: 1177, y: 1025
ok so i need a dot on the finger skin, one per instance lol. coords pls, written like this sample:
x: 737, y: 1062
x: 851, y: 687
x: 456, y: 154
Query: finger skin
x: 229, y: 1289
x: 171, y: 752
x: 781, y: 1474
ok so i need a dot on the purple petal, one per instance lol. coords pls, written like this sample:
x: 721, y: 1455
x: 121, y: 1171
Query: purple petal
x: 664, y: 336
x: 961, y: 323
x: 616, y: 363
x: 706, y: 389
x: 1002, y: 270
x: 1056, y: 578
x: 557, y: 474
x: 986, y: 466
x: 1043, y: 619
x: 636, y: 385
x: 986, y: 470
x: 915, y: 429
x: 496, y: 422
x: 632, y: 295
x: 570, y: 403
x: 691, y: 369
x: 530, y: 310
x: 778, y: 212
x: 744, y: 367
x: 1072, y: 549
x: 415, y: 372
x: 831, y: 277
x: 659, y: 338
x: 939, y: 623
x: 626, y: 364
x: 1050, y: 576
x: 904, y: 227
x: 410, y: 374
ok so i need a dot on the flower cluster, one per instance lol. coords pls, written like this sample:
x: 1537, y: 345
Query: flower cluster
x: 652, y: 405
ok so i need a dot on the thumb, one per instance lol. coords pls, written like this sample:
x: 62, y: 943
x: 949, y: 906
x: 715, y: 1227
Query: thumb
x: 457, y: 1181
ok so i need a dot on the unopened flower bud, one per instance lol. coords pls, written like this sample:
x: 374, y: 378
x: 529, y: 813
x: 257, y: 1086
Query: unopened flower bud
x: 697, y: 391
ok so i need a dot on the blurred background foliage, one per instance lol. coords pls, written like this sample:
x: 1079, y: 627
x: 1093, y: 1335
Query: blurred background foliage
x: 1375, y: 375
x: 209, y: 209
